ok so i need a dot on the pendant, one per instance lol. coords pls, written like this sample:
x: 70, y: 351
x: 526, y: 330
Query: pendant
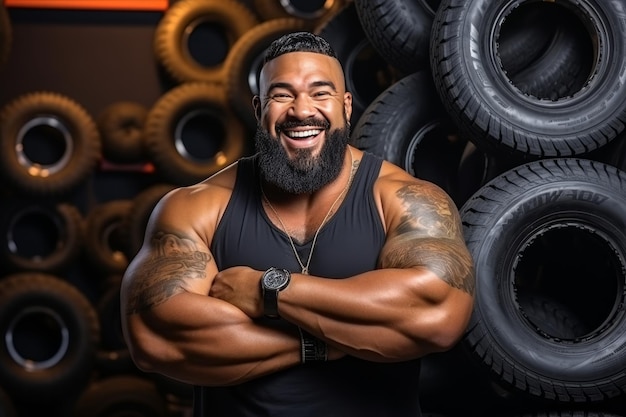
x: 305, y: 271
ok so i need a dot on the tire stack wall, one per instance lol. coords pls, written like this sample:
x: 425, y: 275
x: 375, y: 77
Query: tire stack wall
x: 516, y: 108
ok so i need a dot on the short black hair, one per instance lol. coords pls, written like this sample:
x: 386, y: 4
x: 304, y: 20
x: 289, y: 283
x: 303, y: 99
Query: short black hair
x: 298, y: 42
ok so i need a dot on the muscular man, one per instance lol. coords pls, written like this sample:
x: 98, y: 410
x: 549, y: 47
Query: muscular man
x: 308, y: 279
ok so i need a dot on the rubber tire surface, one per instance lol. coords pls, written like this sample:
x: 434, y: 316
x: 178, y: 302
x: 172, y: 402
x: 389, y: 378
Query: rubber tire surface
x: 65, y: 375
x: 230, y: 16
x: 561, y: 69
x: 397, y: 125
x: 166, y: 116
x: 399, y: 30
x: 67, y: 231
x: 121, y: 129
x: 83, y: 151
x: 104, y: 241
x: 497, y: 115
x: 514, y: 211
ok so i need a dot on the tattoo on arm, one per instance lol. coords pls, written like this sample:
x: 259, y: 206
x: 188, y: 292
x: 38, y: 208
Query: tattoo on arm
x: 174, y: 260
x: 430, y: 235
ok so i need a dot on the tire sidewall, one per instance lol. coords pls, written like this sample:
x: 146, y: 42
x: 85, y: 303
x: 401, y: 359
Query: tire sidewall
x: 67, y: 374
x: 166, y: 117
x: 82, y: 152
x: 570, y: 126
x: 494, y: 238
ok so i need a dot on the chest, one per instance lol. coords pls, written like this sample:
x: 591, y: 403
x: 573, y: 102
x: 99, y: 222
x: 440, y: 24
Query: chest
x: 347, y: 244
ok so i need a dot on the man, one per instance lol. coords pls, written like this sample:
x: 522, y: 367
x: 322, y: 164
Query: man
x: 307, y: 280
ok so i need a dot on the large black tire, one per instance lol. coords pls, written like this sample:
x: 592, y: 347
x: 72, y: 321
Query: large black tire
x: 407, y: 126
x: 121, y: 395
x: 222, y: 22
x: 244, y: 62
x: 104, y: 239
x: 496, y: 113
x: 121, y: 129
x: 49, y: 331
x: 399, y: 30
x: 367, y: 73
x: 6, y: 35
x: 40, y: 236
x: 191, y: 133
x: 553, y: 229
x: 49, y: 144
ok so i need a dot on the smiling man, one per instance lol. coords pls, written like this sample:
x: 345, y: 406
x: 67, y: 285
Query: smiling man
x: 310, y: 277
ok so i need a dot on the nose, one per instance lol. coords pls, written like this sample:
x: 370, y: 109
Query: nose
x: 302, y: 107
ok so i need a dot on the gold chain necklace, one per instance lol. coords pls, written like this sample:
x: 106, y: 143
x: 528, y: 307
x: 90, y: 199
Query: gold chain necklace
x: 305, y: 268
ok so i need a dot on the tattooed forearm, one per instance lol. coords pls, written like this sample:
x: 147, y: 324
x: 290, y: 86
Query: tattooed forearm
x: 429, y: 235
x: 174, y: 260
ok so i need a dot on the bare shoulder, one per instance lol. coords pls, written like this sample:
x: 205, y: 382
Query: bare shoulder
x: 199, y: 206
x: 403, y: 198
x: 423, y: 228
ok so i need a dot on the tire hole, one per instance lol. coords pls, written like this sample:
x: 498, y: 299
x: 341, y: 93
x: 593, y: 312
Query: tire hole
x: 44, y: 146
x: 206, y: 43
x: 199, y: 135
x: 577, y: 268
x: 565, y: 64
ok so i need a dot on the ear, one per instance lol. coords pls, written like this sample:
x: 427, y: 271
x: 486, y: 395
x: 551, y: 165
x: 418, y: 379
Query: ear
x: 347, y: 105
x: 256, y: 104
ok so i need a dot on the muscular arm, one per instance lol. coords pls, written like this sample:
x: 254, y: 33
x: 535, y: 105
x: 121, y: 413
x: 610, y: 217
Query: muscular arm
x: 170, y: 324
x: 420, y: 298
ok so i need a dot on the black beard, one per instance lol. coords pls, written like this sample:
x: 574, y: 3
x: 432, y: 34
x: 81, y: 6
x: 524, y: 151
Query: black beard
x: 305, y: 173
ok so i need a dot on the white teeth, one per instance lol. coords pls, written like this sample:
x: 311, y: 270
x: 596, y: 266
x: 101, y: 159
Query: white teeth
x: 303, y: 133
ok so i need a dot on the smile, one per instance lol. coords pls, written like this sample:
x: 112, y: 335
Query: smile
x: 303, y: 133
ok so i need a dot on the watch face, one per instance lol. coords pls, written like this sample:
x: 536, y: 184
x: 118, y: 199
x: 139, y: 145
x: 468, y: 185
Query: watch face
x: 274, y: 279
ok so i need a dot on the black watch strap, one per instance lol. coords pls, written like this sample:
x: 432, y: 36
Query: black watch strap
x: 273, y: 281
x: 270, y: 303
x: 312, y: 348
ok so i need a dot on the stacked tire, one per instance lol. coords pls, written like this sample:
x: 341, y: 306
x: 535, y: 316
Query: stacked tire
x: 533, y: 95
x: 68, y: 233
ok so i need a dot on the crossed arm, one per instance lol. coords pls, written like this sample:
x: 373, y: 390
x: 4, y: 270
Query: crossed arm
x: 419, y: 301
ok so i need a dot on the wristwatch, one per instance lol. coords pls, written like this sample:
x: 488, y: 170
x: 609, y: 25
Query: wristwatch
x: 273, y: 281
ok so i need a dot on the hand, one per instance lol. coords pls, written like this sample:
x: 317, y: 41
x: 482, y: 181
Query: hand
x: 241, y: 287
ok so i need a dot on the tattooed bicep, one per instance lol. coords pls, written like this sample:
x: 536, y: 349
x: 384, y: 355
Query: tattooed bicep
x: 427, y: 211
x: 165, y: 270
x: 428, y: 234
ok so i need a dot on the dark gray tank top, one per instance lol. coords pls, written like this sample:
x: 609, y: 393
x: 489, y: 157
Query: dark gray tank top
x: 348, y: 244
